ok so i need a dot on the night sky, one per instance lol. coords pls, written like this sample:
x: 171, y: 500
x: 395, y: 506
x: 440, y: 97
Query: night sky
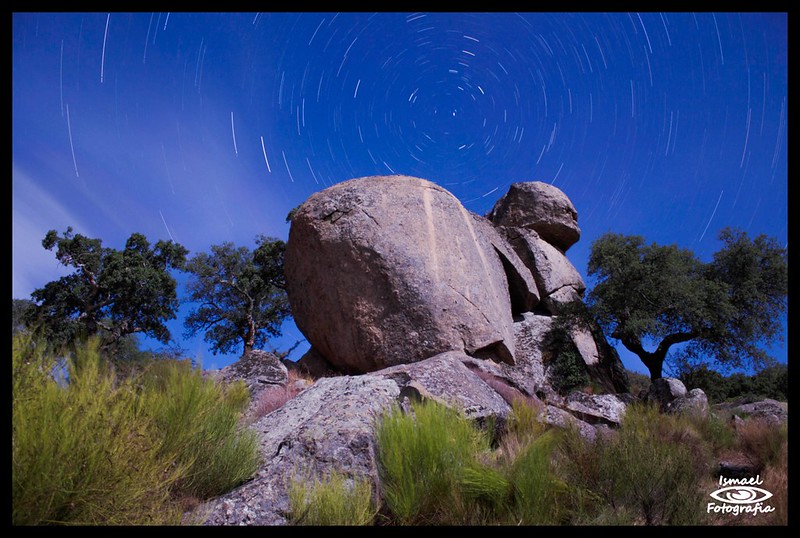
x: 211, y: 127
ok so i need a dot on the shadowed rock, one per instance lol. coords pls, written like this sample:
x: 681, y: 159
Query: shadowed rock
x: 557, y: 280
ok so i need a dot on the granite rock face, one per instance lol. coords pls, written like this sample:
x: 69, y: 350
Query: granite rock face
x: 541, y: 207
x: 390, y: 270
x: 387, y: 270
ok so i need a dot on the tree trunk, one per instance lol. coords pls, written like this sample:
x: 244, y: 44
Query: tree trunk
x: 654, y: 361
x: 250, y: 336
x: 655, y: 368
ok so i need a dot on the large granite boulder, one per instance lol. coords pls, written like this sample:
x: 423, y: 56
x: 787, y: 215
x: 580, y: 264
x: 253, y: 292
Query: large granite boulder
x: 387, y: 270
x: 541, y: 207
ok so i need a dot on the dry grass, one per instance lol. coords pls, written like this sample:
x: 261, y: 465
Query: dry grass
x: 776, y: 481
x: 761, y: 441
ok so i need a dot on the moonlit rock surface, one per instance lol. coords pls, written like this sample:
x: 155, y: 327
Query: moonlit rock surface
x: 541, y: 207
x: 387, y: 270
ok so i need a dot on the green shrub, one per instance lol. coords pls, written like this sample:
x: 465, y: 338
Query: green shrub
x: 537, y: 491
x: 335, y: 500
x: 438, y: 468
x: 649, y: 472
x: 522, y: 427
x: 199, y: 421
x: 566, y: 368
x: 421, y: 458
x: 98, y: 449
x: 85, y: 453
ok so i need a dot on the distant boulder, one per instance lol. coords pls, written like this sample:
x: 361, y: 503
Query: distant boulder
x: 671, y: 396
x: 769, y: 410
x: 258, y: 369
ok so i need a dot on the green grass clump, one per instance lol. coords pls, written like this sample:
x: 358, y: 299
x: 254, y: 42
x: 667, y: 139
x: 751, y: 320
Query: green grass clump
x: 421, y: 458
x: 334, y: 500
x: 199, y: 421
x: 537, y: 492
x: 437, y: 467
x: 94, y: 448
x: 86, y: 453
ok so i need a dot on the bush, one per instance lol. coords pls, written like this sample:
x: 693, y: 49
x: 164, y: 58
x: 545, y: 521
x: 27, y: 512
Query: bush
x: 421, y: 458
x: 537, y: 493
x: 438, y: 468
x: 335, y: 500
x: 199, y: 421
x: 648, y: 472
x: 566, y: 369
x: 97, y: 449
x: 86, y: 453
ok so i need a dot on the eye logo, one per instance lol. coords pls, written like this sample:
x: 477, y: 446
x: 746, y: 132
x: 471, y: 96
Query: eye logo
x: 741, y: 495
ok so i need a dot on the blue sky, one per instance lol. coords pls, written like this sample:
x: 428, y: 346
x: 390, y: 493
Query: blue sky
x: 211, y: 127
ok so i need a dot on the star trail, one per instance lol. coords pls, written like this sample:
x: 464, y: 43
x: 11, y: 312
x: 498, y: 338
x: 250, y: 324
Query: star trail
x: 211, y: 127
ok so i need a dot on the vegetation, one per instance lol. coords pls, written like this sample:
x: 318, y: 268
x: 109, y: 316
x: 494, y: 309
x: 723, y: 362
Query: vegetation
x: 421, y: 459
x: 566, y: 368
x: 657, y: 469
x: 241, y: 295
x: 770, y: 382
x: 90, y: 447
x: 723, y: 310
x: 272, y: 398
x: 649, y: 473
x: 111, y: 294
x: 335, y: 500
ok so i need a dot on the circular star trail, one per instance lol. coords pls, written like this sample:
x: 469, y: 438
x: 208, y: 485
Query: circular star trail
x: 211, y: 127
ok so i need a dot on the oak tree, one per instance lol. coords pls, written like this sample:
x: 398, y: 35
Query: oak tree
x: 111, y: 293
x: 724, y: 311
x: 240, y: 295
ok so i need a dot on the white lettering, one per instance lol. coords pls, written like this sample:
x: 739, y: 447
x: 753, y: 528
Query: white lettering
x: 752, y: 481
x: 738, y: 509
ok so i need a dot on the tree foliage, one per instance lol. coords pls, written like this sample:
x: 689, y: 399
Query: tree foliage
x: 770, y: 382
x: 20, y: 310
x: 241, y: 295
x: 112, y: 293
x: 724, y: 310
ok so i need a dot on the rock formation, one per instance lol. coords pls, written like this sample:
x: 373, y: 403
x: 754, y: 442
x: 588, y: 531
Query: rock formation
x: 671, y: 396
x: 540, y: 207
x: 386, y: 270
x: 404, y: 294
x: 330, y: 426
x: 389, y: 270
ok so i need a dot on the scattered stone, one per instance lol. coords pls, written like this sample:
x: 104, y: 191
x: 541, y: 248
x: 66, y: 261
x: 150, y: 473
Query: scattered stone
x: 606, y: 409
x: 695, y: 403
x: 665, y: 391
